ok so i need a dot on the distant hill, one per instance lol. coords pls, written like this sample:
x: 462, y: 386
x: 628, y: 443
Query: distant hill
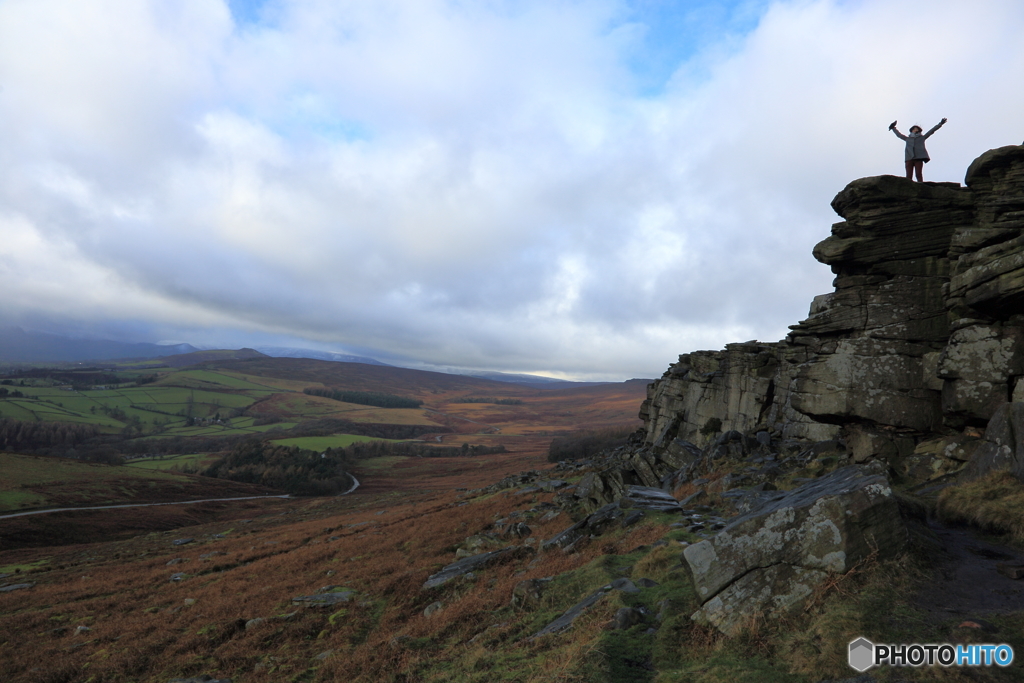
x: 19, y: 346
x: 185, y: 360
x: 401, y: 381
x: 535, y: 381
x: 289, y: 352
x: 365, y: 377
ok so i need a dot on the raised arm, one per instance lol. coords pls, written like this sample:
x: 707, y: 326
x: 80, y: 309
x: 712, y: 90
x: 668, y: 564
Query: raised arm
x: 897, y: 133
x: 937, y: 126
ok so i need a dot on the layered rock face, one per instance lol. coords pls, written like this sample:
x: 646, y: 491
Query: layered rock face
x: 923, y: 335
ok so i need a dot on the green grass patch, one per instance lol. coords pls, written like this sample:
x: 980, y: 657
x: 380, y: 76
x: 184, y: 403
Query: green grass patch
x: 23, y: 568
x: 12, y: 500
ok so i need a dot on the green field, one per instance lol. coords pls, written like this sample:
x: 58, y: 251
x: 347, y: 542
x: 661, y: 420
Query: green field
x: 322, y: 443
x: 208, y: 402
x: 212, y: 401
x: 28, y: 480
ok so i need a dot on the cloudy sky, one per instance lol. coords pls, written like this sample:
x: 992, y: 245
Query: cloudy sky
x: 580, y: 188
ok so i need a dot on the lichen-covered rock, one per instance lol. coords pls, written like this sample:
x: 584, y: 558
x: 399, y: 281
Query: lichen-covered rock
x: 827, y: 525
x: 1002, y: 447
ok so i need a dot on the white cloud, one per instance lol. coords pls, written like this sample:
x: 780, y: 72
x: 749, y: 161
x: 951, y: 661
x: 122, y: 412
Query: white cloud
x: 481, y: 184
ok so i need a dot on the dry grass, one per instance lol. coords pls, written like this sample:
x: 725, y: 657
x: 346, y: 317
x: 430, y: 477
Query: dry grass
x: 994, y: 503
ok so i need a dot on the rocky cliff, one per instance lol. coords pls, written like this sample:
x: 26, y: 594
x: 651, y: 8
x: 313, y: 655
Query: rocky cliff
x: 906, y: 376
x: 918, y: 347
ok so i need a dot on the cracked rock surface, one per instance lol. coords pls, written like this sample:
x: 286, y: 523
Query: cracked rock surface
x: 770, y: 560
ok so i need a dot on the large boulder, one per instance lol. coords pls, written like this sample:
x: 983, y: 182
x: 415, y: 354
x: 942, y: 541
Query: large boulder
x: 1003, y: 446
x: 771, y: 559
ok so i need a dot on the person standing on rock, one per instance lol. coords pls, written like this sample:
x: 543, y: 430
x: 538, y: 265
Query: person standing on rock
x: 916, y: 155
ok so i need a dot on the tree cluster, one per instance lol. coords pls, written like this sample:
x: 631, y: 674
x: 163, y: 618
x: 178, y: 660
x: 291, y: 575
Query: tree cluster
x: 295, y: 470
x: 20, y: 436
x: 365, y: 398
x: 587, y: 444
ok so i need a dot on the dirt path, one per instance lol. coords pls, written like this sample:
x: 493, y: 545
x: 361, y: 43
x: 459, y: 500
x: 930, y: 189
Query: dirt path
x: 966, y: 582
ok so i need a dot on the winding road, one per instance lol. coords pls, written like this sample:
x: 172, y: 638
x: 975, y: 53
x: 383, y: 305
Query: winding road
x: 355, y: 485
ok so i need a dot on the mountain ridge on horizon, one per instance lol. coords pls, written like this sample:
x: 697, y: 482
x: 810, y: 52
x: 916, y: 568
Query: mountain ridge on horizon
x: 18, y: 345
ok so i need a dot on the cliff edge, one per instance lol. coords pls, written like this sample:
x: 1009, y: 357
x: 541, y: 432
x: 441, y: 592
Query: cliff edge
x: 922, y: 339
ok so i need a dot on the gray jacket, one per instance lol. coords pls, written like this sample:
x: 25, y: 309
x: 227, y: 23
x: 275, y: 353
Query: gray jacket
x: 915, y: 144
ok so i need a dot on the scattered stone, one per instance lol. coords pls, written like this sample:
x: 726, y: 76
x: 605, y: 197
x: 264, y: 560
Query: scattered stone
x: 180, y: 576
x: 517, y: 530
x: 631, y: 518
x: 468, y: 565
x: 177, y: 560
x: 215, y: 553
x: 324, y: 599
x: 253, y: 623
x: 648, y: 498
x: 527, y: 594
x: 624, y: 585
x: 182, y: 541
x: 324, y: 655
x: 433, y: 608
x: 15, y: 587
x: 565, y: 621
x: 625, y: 617
x: 693, y: 498
x: 189, y: 602
x: 82, y: 630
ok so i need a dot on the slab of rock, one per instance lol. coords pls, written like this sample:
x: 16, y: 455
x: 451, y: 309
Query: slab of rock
x: 15, y: 587
x: 475, y: 563
x: 648, y: 498
x: 593, y: 525
x: 565, y: 621
x: 182, y: 541
x: 770, y: 560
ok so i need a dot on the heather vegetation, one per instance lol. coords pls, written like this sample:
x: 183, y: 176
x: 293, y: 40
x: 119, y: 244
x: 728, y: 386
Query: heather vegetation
x: 492, y: 400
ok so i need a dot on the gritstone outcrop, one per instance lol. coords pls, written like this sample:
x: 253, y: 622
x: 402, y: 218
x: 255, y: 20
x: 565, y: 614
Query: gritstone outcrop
x: 909, y: 373
x: 922, y: 337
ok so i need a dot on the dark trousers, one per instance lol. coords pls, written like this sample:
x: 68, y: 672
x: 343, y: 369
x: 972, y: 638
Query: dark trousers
x: 915, y: 165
